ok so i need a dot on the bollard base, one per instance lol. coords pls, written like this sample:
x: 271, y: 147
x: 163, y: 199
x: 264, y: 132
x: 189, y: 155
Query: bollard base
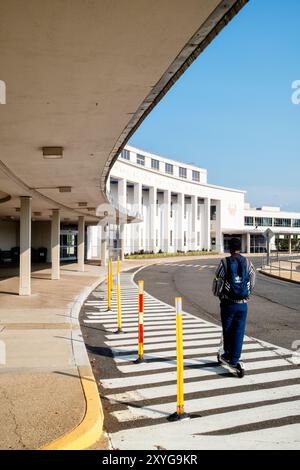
x: 108, y: 310
x: 178, y: 417
x: 139, y: 361
x: 119, y: 330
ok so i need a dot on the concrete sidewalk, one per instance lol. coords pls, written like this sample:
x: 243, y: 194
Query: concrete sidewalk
x: 42, y: 394
x: 286, y: 271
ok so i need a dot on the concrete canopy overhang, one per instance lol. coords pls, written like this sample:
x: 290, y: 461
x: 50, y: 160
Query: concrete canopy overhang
x: 82, y: 75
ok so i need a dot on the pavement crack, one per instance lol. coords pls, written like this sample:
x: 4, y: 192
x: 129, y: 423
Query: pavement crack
x: 16, y: 425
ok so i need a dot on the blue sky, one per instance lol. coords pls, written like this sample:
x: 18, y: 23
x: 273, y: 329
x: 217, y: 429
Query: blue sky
x: 231, y: 112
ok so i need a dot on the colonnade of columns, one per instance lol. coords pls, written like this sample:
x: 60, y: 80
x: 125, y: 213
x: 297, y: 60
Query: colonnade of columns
x: 197, y: 230
x: 25, y: 245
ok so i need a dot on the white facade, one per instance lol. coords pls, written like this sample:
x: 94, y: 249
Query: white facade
x: 180, y: 210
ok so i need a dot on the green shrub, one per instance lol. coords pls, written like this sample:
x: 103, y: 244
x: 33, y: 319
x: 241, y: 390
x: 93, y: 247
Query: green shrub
x: 165, y: 255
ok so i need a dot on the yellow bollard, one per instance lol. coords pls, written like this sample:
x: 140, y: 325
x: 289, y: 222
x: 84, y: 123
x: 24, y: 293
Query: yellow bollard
x: 111, y: 276
x: 179, y: 414
x: 119, y: 297
x: 108, y: 287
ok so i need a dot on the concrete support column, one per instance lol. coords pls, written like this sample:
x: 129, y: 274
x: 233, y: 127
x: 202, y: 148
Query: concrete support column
x: 207, y: 243
x: 89, y: 241
x: 219, y: 234
x: 290, y: 244
x: 55, y: 244
x: 194, y: 201
x: 103, y: 246
x: 152, y: 225
x: 122, y: 199
x: 137, y: 201
x: 80, y: 247
x: 248, y: 243
x: 25, y: 246
x: 166, y: 220
x: 180, y: 221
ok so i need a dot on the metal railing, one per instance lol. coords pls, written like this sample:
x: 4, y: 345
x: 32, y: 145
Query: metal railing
x: 286, y: 268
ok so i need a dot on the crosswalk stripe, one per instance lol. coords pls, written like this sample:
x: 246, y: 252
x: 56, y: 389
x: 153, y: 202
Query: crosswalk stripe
x: 163, y: 332
x: 206, y: 385
x: 172, y: 353
x: 172, y: 345
x: 188, y: 363
x: 210, y: 403
x: 197, y: 427
x: 155, y: 322
x: 161, y: 377
x: 167, y: 340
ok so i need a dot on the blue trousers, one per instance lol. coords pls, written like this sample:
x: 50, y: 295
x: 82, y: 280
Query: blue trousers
x: 233, y: 318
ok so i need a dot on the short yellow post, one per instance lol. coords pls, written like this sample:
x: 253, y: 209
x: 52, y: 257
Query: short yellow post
x: 119, y: 297
x: 111, y: 276
x: 108, y: 287
x: 179, y: 414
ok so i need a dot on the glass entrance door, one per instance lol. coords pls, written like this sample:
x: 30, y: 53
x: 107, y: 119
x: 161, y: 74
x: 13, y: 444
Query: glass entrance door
x: 68, y: 245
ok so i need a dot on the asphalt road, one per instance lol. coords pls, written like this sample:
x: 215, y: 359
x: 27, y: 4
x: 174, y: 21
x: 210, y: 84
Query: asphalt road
x: 274, y: 308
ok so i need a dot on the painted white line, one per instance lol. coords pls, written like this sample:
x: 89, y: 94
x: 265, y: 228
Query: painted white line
x: 210, y: 403
x: 166, y: 339
x: 161, y: 377
x: 206, y: 385
x: 163, y: 329
x: 161, y: 346
x: 189, y: 434
x: 163, y: 332
x: 172, y: 353
x: 149, y: 322
x: 191, y: 362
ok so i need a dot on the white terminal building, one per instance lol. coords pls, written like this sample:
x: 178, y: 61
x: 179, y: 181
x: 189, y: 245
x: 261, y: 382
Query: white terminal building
x: 178, y: 210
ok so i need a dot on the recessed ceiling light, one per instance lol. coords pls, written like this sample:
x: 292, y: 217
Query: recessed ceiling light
x: 52, y: 153
x: 65, y: 189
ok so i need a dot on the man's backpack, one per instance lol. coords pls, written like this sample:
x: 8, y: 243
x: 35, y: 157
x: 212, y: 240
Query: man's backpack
x: 237, y: 278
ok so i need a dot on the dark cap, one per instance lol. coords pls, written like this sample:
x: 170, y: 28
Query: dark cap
x: 235, y: 244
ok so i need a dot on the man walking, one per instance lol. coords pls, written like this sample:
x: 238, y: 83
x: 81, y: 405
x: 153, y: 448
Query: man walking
x: 233, y: 284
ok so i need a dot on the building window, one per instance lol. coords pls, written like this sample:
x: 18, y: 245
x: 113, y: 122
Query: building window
x: 125, y: 154
x: 213, y: 212
x: 295, y: 222
x: 282, y: 222
x: 198, y: 211
x: 184, y: 238
x: 154, y: 164
x: 156, y: 238
x: 171, y: 209
x: 171, y: 237
x: 140, y: 159
x: 249, y: 220
x: 263, y: 221
x: 182, y: 172
x: 196, y: 175
x: 169, y: 169
x: 198, y: 238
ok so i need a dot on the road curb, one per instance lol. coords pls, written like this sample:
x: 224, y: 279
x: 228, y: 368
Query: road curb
x: 90, y: 429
